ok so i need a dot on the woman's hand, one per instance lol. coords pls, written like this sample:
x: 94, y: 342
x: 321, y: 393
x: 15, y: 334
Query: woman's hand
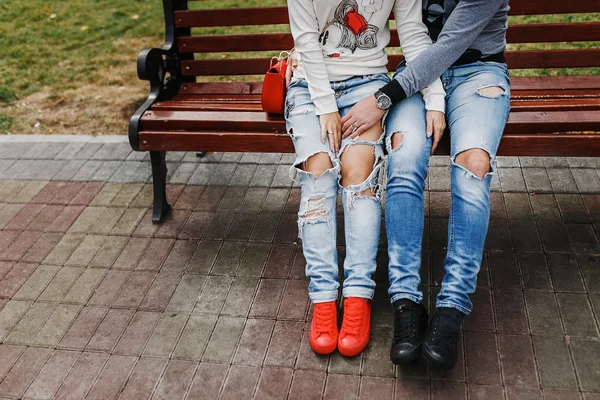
x: 331, y: 126
x: 292, y: 64
x: 436, y: 124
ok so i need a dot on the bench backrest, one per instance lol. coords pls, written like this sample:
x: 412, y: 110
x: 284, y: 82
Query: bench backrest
x: 221, y: 49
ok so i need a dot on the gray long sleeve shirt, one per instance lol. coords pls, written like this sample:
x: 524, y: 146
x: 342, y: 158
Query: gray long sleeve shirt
x: 459, y: 25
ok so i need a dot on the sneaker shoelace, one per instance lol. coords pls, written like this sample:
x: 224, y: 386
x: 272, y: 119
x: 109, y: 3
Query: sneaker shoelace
x: 353, y: 316
x: 405, y: 326
x: 324, y: 318
x: 441, y: 321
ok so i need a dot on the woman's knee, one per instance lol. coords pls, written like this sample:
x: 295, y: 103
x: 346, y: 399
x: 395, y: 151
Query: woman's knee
x: 317, y: 164
x: 476, y: 161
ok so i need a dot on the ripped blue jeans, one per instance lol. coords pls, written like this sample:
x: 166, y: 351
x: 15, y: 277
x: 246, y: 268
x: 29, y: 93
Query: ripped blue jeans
x: 476, y: 121
x: 317, y: 215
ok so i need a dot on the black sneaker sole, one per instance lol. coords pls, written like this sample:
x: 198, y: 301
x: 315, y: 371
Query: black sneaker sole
x: 411, y: 357
x: 435, y: 362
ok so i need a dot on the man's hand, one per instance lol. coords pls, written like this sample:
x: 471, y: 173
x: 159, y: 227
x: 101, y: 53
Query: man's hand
x: 436, y: 124
x: 331, y: 126
x: 361, y: 117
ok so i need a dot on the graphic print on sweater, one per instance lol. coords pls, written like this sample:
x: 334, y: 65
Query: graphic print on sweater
x: 350, y: 28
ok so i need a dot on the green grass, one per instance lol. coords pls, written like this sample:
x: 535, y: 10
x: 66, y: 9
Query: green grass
x: 69, y: 66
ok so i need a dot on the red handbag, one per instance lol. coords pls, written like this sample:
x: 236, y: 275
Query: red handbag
x: 274, y: 87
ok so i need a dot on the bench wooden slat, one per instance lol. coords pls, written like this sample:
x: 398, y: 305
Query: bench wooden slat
x: 248, y: 121
x: 526, y: 33
x: 279, y: 15
x: 564, y: 145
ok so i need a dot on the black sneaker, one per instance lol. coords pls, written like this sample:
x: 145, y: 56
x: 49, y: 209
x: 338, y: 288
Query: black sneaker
x: 410, y: 323
x: 441, y: 340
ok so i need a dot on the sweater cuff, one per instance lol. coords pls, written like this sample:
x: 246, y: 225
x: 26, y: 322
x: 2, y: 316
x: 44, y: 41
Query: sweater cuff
x: 435, y: 102
x: 394, y: 91
x: 326, y: 105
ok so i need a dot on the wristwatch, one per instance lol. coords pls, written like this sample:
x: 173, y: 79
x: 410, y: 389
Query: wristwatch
x: 383, y: 100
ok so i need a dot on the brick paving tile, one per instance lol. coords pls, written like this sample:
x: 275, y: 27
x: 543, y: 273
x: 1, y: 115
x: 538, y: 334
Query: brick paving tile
x: 195, y: 337
x: 84, y: 287
x: 307, y: 385
x: 592, y: 205
x: 24, y: 372
x: 9, y: 355
x: 228, y: 260
x: 561, y: 395
x: 224, y: 339
x: 554, y: 362
x: 52, y: 375
x: 518, y: 206
x: 208, y: 381
x: 127, y: 195
x: 5, y: 268
x: 280, y: 261
x: 240, y: 383
x: 481, y: 350
x: 173, y: 225
x: 189, y: 198
x: 544, y: 318
x: 572, y: 208
x: 477, y: 392
x: 40, y: 250
x: 135, y: 289
x: 591, y: 396
x: 242, y: 226
x: 457, y: 374
x: 15, y: 278
x: 268, y: 297
x: 56, y: 326
x: 165, y: 335
x: 583, y: 238
x: 143, y: 379
x: 155, y: 254
x: 30, y: 323
x: 159, y: 294
x: 498, y: 237
x: 295, y: 301
x: 518, y: 363
x: 307, y: 358
x: 186, y: 294
x: 128, y: 221
x: 504, y: 270
x: 195, y: 225
x: 25, y: 216
x: 87, y: 194
x: 113, y: 377
x: 86, y: 251
x: 86, y: 220
x: 372, y: 387
x: 64, y: 249
x: 407, y: 389
x: 510, y: 311
x: 67, y: 193
x: 525, y: 236
x: 577, y: 315
x: 144, y: 198
x: 83, y: 328
x: 60, y: 285
x: 339, y: 364
x: 8, y: 212
x: 562, y: 180
x: 176, y: 380
x: 180, y: 255
x: 293, y: 202
x: 377, y: 350
x: 482, y: 317
x: 254, y: 259
x: 265, y: 226
x: 6, y: 239
x: 20, y: 246
x: 448, y: 390
x: 253, y: 342
x: 110, y: 330
x: 591, y: 272
x: 107, y: 291
x: 107, y: 221
x: 106, y: 195
x: 108, y: 253
x: 45, y: 217
x: 27, y: 193
x: 10, y: 316
x: 219, y: 225
x: 565, y: 273
x: 341, y: 386
x: 82, y: 376
x: 138, y: 332
x: 518, y: 393
x: 240, y: 296
x: 132, y: 253
x: 534, y: 271
x: 214, y: 294
x: 204, y: 257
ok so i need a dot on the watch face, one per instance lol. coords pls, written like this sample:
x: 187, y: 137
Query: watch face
x: 383, y: 101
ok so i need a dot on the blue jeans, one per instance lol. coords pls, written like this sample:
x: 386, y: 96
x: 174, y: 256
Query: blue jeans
x: 317, y: 215
x: 475, y: 122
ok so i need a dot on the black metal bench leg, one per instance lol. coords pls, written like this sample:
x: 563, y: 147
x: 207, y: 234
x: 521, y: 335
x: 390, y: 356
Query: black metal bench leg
x: 159, y: 181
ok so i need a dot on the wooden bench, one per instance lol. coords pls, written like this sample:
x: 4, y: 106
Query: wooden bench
x: 550, y: 116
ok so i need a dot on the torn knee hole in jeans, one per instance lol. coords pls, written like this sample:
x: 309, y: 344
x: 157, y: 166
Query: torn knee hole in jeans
x: 491, y: 91
x: 395, y: 141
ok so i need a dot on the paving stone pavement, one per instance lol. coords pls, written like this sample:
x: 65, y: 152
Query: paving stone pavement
x: 97, y: 302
